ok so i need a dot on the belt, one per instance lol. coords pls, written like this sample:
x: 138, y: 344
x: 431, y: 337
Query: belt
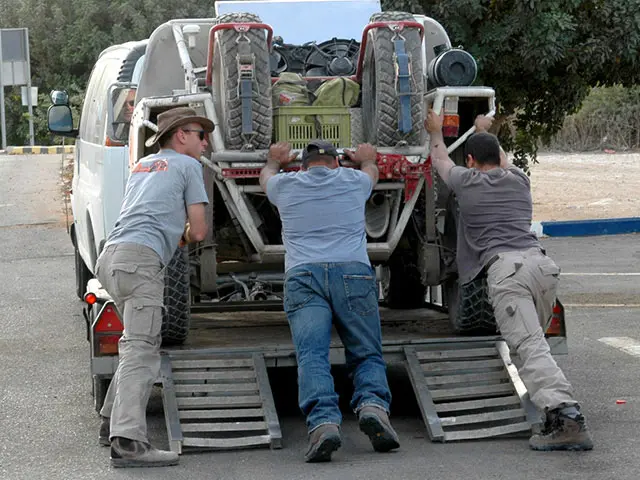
x: 496, y: 257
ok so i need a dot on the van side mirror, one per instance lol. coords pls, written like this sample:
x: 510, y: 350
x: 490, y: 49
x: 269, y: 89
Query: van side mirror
x: 60, y: 121
x: 59, y: 97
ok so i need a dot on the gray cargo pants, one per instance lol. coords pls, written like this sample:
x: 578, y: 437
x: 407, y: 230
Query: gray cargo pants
x: 132, y: 275
x: 522, y: 289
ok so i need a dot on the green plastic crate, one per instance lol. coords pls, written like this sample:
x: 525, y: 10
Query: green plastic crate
x: 299, y: 125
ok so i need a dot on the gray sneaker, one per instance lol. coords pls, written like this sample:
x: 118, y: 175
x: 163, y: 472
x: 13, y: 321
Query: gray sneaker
x: 132, y: 453
x: 323, y: 441
x: 105, y: 429
x: 375, y: 423
x: 562, y: 433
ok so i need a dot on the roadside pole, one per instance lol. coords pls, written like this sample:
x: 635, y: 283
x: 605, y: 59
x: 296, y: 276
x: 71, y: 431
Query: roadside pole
x: 29, y: 99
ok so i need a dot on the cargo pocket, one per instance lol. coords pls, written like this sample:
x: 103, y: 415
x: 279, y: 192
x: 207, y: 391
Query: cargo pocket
x: 143, y: 318
x: 361, y: 292
x: 297, y: 291
x: 550, y: 269
x: 505, y: 269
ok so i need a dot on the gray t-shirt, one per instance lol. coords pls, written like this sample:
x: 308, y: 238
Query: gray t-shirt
x: 322, y: 213
x: 154, y: 209
x: 495, y: 211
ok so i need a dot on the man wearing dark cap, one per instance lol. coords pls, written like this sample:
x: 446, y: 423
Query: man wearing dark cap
x: 328, y: 280
x: 164, y: 190
x: 495, y: 239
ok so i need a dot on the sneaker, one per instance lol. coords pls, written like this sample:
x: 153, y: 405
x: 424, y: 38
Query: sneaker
x: 132, y: 453
x: 562, y: 432
x: 103, y: 435
x: 323, y: 441
x: 375, y: 423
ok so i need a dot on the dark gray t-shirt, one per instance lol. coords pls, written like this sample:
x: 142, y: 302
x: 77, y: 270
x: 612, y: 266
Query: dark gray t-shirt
x: 154, y: 209
x: 495, y: 215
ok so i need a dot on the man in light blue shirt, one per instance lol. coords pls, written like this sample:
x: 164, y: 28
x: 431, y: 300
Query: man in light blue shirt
x: 329, y: 279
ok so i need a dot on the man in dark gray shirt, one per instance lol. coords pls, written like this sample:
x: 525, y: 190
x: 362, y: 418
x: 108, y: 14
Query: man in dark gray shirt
x: 494, y: 237
x: 164, y: 191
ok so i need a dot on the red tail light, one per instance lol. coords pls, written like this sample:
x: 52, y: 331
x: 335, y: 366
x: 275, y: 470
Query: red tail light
x: 450, y: 125
x: 556, y: 326
x: 107, y: 330
x: 90, y: 298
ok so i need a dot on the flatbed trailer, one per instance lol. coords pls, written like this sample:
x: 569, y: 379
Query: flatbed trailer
x: 217, y: 396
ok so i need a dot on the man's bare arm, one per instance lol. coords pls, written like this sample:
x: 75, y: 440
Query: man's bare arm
x: 438, y: 149
x: 365, y: 156
x: 197, y: 227
x: 279, y: 156
x: 439, y: 156
x: 269, y: 170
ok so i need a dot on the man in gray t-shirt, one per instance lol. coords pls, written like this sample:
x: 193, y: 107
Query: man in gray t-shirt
x: 163, y: 207
x: 494, y: 238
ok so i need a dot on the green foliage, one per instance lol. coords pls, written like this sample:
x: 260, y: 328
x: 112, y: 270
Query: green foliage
x: 541, y: 56
x: 609, y: 118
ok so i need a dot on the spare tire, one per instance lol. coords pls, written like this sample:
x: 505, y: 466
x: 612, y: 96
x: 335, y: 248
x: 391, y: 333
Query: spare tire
x: 225, y: 84
x: 380, y: 100
x: 177, y: 314
x: 470, y: 312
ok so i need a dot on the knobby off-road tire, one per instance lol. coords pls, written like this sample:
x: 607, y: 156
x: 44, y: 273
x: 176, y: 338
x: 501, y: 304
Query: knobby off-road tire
x: 470, y: 312
x: 225, y: 78
x: 177, y: 316
x: 380, y: 100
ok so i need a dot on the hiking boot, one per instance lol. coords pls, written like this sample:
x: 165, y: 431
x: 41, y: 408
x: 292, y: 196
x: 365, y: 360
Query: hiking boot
x: 323, y: 441
x: 105, y: 429
x: 132, y: 453
x: 562, y: 432
x: 374, y: 421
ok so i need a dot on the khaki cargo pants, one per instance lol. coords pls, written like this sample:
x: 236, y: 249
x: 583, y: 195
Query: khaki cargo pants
x: 132, y: 275
x: 522, y: 290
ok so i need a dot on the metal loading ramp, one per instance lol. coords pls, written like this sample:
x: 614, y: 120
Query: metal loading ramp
x: 218, y: 402
x: 469, y: 390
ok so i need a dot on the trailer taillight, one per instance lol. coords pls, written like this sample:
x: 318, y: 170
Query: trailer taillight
x: 107, y: 330
x: 556, y: 326
x: 90, y: 298
x: 451, y: 119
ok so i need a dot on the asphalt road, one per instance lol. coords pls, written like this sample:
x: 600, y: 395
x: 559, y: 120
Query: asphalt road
x: 48, y: 428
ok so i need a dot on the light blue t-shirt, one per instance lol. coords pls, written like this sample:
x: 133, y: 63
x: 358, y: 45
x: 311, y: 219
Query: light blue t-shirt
x: 154, y: 209
x: 322, y: 214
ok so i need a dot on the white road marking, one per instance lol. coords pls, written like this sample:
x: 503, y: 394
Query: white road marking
x: 7, y: 205
x: 602, y: 305
x: 595, y: 274
x: 626, y: 344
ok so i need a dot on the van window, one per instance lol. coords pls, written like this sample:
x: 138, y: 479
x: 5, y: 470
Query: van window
x: 94, y: 123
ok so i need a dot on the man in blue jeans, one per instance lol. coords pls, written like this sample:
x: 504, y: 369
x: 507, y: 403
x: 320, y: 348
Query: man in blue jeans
x: 329, y: 280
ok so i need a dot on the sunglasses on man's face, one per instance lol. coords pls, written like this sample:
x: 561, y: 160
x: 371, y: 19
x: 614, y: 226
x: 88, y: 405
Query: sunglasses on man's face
x: 201, y: 133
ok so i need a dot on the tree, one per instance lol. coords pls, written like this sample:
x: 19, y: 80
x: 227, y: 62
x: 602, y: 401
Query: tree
x: 541, y: 56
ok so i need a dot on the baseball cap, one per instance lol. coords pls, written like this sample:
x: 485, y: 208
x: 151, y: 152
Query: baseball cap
x: 317, y: 147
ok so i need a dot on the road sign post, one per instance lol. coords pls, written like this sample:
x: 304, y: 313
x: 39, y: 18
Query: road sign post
x: 15, y: 70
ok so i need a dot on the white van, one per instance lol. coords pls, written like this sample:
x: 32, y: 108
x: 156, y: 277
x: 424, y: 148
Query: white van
x: 101, y: 150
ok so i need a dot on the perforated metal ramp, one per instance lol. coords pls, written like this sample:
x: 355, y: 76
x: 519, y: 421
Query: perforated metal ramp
x: 218, y: 402
x: 469, y: 390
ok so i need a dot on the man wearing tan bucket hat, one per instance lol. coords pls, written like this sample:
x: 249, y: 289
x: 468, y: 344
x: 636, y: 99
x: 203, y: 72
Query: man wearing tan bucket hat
x: 164, y: 191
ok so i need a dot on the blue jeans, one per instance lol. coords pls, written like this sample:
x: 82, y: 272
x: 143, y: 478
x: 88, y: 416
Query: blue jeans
x: 315, y: 296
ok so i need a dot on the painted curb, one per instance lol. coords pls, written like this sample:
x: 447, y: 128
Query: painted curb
x: 40, y: 150
x: 583, y: 228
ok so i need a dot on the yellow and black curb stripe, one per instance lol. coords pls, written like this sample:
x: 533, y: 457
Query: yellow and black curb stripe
x: 40, y: 150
